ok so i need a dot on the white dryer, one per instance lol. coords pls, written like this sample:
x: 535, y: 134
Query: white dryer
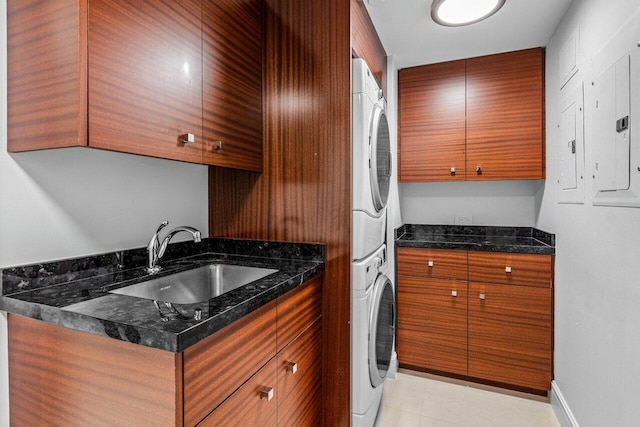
x: 372, y: 335
x: 371, y: 162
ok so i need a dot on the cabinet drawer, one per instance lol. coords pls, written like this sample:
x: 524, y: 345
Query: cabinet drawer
x: 298, y: 309
x: 511, y: 269
x: 247, y: 406
x: 215, y: 367
x: 432, y: 263
x: 300, y: 385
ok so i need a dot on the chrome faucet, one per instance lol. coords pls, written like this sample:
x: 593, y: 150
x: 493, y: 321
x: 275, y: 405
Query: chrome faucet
x: 156, y: 249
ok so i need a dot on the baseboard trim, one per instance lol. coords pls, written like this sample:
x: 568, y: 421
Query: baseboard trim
x: 561, y: 408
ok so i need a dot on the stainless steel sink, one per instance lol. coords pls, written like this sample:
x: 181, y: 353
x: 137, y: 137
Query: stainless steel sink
x: 197, y: 285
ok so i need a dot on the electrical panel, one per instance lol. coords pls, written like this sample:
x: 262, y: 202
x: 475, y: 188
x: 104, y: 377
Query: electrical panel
x: 571, y: 148
x: 611, y: 127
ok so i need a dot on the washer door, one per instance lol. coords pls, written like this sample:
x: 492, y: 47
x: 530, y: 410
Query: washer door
x: 379, y: 158
x: 382, y: 330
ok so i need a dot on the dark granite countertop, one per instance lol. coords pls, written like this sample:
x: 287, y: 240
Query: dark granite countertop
x: 476, y: 238
x: 75, y: 293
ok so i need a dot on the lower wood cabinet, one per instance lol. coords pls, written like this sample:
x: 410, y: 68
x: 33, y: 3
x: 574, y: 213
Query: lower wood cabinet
x: 432, y: 323
x: 510, y: 334
x: 237, y: 376
x: 497, y: 326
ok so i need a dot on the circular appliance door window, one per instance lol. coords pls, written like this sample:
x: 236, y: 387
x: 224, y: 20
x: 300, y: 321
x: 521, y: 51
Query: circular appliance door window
x: 380, y: 158
x: 382, y: 329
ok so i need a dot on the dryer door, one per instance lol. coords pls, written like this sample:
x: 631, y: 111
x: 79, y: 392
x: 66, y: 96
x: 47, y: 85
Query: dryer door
x: 382, y: 329
x: 379, y: 158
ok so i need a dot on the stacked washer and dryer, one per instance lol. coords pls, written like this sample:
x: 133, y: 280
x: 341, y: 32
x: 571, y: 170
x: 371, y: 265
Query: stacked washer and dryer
x: 373, y: 311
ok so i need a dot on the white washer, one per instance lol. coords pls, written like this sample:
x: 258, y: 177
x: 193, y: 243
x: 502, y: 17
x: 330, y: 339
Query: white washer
x: 372, y: 335
x: 371, y: 162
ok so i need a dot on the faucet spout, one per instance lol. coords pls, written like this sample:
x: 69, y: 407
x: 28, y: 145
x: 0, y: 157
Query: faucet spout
x: 156, y: 249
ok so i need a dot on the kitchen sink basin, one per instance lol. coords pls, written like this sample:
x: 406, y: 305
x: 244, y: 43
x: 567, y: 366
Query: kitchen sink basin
x: 197, y: 285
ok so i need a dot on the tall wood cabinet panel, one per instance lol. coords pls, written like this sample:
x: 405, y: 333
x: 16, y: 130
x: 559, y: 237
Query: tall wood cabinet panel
x: 432, y: 122
x: 366, y: 44
x: 145, y: 75
x: 505, y: 116
x: 306, y: 151
x: 232, y: 32
x: 432, y: 323
x: 510, y: 334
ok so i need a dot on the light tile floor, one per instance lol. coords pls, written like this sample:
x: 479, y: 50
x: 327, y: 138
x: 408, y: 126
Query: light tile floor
x: 415, y: 401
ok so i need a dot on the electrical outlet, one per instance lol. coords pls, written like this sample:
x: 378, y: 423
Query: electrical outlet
x: 463, y: 220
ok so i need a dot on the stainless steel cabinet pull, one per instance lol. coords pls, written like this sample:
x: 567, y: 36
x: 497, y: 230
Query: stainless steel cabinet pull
x: 454, y: 293
x: 479, y: 169
x: 507, y: 269
x: 482, y: 296
x: 292, y: 367
x: 430, y: 263
x: 266, y: 393
x: 217, y: 145
x: 187, y: 138
x: 453, y: 171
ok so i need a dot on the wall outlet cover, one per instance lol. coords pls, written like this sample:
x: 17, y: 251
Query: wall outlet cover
x: 463, y: 220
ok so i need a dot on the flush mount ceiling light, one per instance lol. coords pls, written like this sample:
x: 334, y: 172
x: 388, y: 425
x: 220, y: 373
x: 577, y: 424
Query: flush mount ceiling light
x: 455, y: 13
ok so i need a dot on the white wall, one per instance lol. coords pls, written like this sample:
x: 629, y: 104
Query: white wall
x: 73, y: 202
x: 511, y: 203
x: 597, y: 272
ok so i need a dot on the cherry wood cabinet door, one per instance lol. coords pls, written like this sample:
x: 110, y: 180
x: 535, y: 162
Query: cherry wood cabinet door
x: 216, y: 366
x: 505, y: 123
x: 432, y: 122
x: 432, y: 324
x: 297, y: 310
x: 300, y: 379
x: 61, y: 377
x: 232, y: 83
x: 510, y: 334
x: 253, y: 404
x: 46, y: 68
x: 145, y: 77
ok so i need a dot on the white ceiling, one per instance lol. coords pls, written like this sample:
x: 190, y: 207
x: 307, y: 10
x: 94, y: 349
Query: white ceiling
x: 408, y: 33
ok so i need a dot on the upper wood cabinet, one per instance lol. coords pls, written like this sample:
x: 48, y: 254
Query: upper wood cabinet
x: 485, y: 113
x: 505, y: 137
x: 232, y: 83
x: 432, y: 122
x: 145, y: 77
x: 138, y: 78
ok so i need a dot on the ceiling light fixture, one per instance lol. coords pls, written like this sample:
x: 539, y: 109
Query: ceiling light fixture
x: 455, y: 13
